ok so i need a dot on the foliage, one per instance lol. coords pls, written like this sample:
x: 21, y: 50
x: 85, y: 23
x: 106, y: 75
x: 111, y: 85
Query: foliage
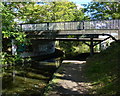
x: 103, y: 10
x: 7, y: 60
x: 73, y: 47
x: 10, y: 32
x: 50, y: 12
x: 103, y: 70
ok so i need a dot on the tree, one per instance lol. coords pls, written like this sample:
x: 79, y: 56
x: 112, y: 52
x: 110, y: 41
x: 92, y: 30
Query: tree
x: 10, y: 32
x: 103, y: 10
x: 51, y: 12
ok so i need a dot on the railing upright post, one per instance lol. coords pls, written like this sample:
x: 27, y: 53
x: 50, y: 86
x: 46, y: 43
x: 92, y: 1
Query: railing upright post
x: 118, y: 29
x: 110, y: 24
x: 47, y: 26
x: 64, y: 26
x: 118, y: 22
x: 83, y: 25
x: 113, y: 24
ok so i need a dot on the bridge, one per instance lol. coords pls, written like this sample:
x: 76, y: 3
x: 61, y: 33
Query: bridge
x: 92, y: 31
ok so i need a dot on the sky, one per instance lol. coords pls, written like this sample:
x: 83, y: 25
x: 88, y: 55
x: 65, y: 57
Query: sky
x: 80, y: 1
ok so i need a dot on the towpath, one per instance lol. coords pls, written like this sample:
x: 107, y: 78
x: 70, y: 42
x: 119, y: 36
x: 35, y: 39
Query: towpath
x: 69, y: 80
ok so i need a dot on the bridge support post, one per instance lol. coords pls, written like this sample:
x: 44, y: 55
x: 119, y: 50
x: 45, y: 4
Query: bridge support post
x: 91, y: 46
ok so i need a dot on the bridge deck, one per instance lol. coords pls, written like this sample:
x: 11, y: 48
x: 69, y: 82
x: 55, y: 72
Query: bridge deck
x: 111, y: 27
x: 69, y: 39
x: 76, y: 33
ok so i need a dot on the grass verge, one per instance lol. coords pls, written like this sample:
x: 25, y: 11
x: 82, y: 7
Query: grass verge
x: 104, y: 71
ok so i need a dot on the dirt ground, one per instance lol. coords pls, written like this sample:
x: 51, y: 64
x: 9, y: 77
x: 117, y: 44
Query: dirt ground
x: 69, y: 80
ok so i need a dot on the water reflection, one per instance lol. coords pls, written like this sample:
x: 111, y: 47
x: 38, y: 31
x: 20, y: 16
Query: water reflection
x: 28, y: 79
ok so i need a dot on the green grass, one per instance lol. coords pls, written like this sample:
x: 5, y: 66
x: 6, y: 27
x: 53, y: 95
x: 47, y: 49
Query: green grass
x: 104, y: 70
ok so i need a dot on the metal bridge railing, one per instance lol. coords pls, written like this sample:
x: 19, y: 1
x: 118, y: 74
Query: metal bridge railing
x: 80, y: 25
x: 104, y: 24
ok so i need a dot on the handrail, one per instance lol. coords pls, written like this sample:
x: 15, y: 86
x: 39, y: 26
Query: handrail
x: 76, y: 25
x: 68, y: 21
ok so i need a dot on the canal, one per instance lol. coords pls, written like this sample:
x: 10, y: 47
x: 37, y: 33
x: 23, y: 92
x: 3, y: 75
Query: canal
x: 28, y: 79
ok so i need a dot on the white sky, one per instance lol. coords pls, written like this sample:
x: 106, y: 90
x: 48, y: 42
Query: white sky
x: 80, y: 1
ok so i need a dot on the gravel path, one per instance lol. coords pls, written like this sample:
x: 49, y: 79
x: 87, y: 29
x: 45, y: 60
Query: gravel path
x: 69, y: 80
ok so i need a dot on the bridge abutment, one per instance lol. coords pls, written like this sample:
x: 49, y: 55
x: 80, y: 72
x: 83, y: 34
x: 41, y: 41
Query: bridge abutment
x: 39, y: 48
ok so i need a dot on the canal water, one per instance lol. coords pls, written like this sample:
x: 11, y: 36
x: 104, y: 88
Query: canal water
x: 28, y: 79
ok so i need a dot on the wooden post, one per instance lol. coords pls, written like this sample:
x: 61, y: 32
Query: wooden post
x: 91, y: 46
x: 47, y: 26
